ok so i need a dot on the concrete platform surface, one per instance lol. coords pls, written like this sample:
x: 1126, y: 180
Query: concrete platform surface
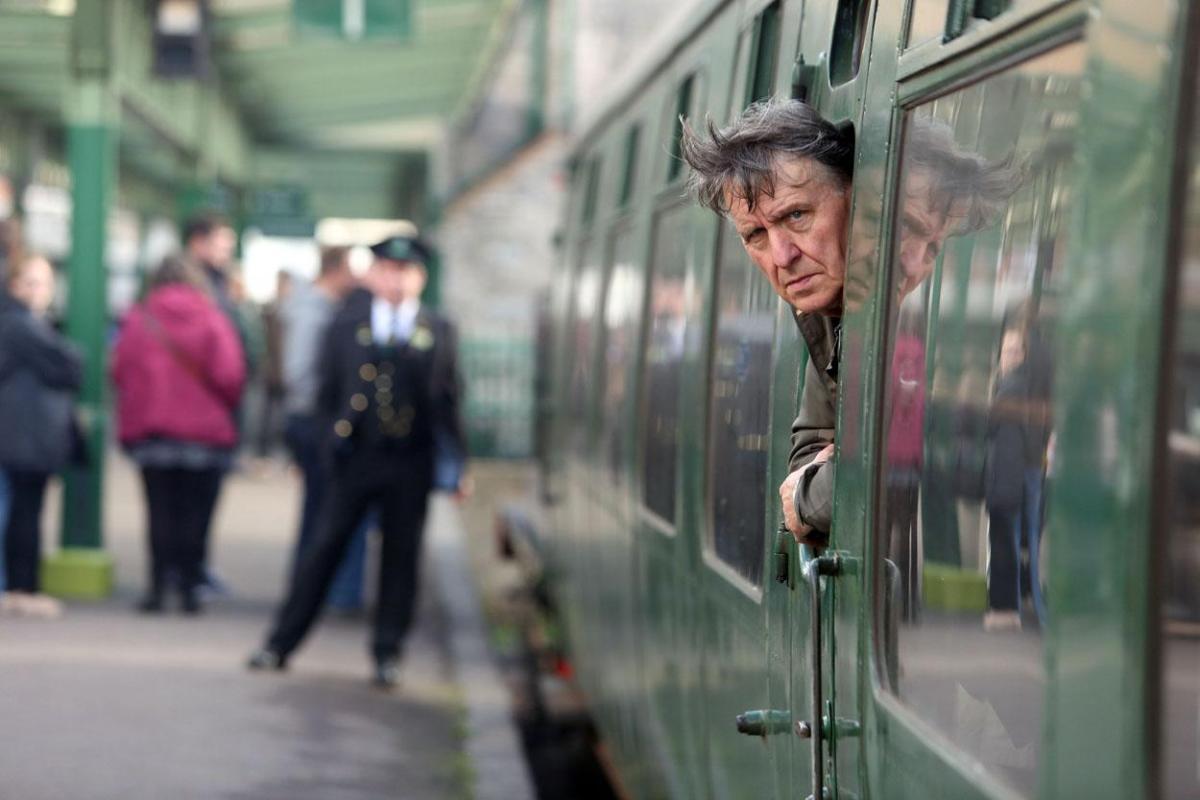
x: 106, y: 703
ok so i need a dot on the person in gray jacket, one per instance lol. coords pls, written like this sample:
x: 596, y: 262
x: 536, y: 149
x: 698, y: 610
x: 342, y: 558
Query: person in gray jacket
x: 782, y: 175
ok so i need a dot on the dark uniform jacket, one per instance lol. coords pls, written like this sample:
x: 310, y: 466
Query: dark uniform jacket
x: 814, y: 426
x: 401, y: 399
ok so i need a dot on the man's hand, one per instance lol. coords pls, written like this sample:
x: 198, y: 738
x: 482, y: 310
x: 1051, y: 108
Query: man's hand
x: 787, y: 495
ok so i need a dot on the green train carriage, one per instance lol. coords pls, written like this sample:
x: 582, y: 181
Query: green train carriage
x: 722, y: 661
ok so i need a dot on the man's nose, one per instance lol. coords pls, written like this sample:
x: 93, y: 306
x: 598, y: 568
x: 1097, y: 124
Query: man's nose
x: 783, y: 250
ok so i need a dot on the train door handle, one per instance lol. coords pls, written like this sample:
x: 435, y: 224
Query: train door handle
x: 815, y: 729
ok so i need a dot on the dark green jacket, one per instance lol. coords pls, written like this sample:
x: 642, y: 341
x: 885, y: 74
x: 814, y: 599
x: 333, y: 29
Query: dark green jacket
x: 815, y: 424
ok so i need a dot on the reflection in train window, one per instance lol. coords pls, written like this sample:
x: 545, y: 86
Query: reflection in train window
x: 1180, y: 582
x: 663, y: 359
x: 582, y: 346
x: 968, y: 449
x: 738, y: 416
x: 622, y: 315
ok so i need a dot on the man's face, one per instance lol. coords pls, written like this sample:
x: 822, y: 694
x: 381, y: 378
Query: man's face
x: 34, y: 286
x: 925, y: 222
x: 216, y: 249
x: 396, y: 281
x: 797, y: 236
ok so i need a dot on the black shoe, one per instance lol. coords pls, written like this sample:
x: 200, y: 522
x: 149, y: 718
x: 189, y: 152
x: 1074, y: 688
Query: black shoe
x: 151, y: 603
x: 189, y: 603
x: 387, y: 673
x: 265, y: 659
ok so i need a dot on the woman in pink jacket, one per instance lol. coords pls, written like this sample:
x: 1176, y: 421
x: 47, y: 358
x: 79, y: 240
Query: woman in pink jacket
x: 178, y: 369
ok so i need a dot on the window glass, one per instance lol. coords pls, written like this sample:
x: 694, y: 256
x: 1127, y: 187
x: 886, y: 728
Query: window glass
x: 682, y: 111
x: 663, y: 361
x: 622, y: 315
x: 926, y: 20
x: 738, y: 415
x: 766, y: 54
x: 1180, y: 733
x: 629, y: 177
x: 583, y: 343
x: 968, y: 451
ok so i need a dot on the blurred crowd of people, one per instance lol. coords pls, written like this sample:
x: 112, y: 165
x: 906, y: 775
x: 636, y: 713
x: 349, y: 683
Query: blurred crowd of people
x: 181, y: 363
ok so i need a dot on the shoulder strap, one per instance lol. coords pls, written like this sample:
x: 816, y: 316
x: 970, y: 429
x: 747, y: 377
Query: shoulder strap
x: 185, y: 362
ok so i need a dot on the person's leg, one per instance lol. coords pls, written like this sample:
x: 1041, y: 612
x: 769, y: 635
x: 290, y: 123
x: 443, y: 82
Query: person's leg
x: 156, y: 483
x: 346, y: 593
x: 301, y: 437
x: 24, y: 541
x: 348, y: 499
x: 5, y: 507
x: 1002, y: 575
x: 402, y: 519
x: 206, y: 574
x: 196, y: 497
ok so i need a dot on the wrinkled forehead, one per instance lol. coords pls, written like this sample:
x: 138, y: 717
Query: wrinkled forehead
x: 747, y: 191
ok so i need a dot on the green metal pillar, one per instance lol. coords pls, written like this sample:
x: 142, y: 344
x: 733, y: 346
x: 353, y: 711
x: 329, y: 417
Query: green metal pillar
x: 82, y: 568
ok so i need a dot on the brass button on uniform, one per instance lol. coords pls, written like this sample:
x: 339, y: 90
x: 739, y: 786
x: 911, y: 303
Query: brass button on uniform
x: 386, y: 413
x: 343, y: 428
x: 367, y: 372
x: 383, y: 383
x: 383, y: 397
x: 359, y: 402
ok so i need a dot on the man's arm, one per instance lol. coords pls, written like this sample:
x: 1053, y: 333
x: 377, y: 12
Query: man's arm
x: 807, y: 493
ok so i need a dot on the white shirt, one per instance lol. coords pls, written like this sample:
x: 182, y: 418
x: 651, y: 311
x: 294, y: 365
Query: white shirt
x: 393, y: 322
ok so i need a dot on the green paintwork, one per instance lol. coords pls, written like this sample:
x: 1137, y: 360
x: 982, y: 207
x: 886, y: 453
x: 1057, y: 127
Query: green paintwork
x: 707, y: 647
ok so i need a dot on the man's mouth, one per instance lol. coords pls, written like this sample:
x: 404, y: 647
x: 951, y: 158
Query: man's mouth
x: 801, y: 283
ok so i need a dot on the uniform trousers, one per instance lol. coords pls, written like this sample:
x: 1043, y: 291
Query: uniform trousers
x: 397, y: 484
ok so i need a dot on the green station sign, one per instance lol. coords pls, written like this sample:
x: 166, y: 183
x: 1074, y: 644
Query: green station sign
x: 353, y: 19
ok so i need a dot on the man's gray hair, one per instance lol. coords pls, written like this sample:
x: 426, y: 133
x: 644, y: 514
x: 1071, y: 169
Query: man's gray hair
x: 739, y: 160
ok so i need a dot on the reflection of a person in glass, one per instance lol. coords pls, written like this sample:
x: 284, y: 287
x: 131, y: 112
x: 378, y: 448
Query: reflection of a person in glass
x: 782, y: 174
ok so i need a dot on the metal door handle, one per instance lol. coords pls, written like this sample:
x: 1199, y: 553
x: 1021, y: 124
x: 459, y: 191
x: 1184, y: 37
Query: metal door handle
x: 813, y: 729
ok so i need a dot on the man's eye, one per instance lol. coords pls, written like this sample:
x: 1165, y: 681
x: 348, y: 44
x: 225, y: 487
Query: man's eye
x: 797, y: 214
x: 752, y: 236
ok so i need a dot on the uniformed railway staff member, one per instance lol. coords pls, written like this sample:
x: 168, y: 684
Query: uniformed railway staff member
x: 389, y: 395
x: 782, y: 174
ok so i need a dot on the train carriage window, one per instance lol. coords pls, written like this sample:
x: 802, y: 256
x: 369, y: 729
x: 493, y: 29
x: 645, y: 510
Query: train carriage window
x: 765, y: 54
x: 682, y: 110
x: 621, y: 321
x: 629, y: 175
x: 585, y: 305
x: 591, y: 191
x: 968, y: 448
x: 663, y: 359
x: 738, y: 413
x: 1179, y: 582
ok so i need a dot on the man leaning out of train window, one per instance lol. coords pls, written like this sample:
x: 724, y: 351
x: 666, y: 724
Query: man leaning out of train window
x: 782, y: 174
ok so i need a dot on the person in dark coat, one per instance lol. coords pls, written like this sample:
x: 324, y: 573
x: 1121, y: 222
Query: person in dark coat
x: 389, y: 399
x: 178, y: 370
x: 40, y: 374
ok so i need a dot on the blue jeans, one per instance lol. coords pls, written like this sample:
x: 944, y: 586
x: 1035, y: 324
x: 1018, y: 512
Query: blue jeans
x: 5, y: 507
x: 346, y: 592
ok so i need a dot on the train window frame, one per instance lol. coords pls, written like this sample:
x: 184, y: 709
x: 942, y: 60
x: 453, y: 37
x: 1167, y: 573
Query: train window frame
x: 629, y: 173
x: 681, y: 105
x: 624, y: 477
x: 591, y: 191
x: 766, y: 42
x: 754, y: 590
x: 913, y: 93
x: 848, y: 40
x: 669, y: 203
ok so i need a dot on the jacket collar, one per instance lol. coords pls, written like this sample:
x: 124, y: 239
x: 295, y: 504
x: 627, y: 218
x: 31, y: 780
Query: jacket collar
x: 822, y: 337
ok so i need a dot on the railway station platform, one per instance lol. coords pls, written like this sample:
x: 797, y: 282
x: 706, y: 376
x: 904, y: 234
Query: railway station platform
x: 108, y: 703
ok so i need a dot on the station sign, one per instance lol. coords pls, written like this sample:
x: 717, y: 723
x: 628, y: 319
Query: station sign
x: 354, y: 20
x: 280, y: 210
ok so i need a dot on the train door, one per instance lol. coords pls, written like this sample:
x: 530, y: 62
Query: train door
x: 987, y: 585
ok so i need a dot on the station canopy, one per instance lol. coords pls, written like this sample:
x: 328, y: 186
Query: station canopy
x: 345, y: 96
